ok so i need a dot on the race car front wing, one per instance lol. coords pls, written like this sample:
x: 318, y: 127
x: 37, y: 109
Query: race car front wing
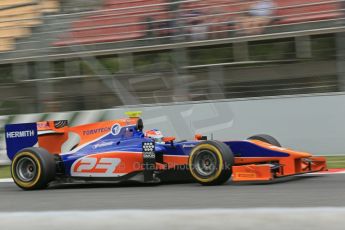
x: 283, y: 168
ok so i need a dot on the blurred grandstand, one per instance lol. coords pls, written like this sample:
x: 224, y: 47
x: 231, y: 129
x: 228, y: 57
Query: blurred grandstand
x: 76, y: 55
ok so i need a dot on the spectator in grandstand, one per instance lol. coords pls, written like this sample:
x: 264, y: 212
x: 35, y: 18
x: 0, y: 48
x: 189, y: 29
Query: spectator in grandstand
x: 256, y: 15
x: 150, y: 27
x: 167, y: 27
x: 193, y: 21
x: 198, y: 30
x: 217, y: 23
x: 173, y: 5
x: 158, y: 27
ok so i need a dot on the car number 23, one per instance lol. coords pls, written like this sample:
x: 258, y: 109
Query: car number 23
x: 97, y: 167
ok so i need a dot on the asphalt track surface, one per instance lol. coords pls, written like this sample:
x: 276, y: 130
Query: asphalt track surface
x: 303, y: 191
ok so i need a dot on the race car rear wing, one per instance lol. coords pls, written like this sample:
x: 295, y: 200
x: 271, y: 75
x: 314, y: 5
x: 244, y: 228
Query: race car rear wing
x: 49, y: 135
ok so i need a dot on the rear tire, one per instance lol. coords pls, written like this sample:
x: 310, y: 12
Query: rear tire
x: 33, y: 168
x: 210, y: 163
x: 266, y: 138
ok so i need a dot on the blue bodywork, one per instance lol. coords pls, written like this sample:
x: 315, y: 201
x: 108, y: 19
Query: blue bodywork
x: 127, y: 139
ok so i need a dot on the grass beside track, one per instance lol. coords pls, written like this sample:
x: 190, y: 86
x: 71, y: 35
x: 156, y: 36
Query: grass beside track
x: 336, y: 162
x: 332, y: 162
x: 5, y: 172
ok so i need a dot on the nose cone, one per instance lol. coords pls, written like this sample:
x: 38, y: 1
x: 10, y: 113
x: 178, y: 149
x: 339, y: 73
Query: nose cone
x: 297, y: 154
x: 293, y: 153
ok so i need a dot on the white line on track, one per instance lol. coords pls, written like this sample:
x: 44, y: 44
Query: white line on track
x: 325, y: 173
x: 191, y: 219
x: 7, y: 180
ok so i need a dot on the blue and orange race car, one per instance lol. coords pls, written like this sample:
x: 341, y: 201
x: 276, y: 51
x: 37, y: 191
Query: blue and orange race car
x: 119, y: 150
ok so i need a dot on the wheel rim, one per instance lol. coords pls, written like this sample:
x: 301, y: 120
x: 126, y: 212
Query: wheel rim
x: 205, y: 163
x: 26, y: 169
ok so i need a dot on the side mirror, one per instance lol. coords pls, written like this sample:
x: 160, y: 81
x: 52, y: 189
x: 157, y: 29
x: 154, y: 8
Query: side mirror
x: 200, y: 137
x: 168, y: 139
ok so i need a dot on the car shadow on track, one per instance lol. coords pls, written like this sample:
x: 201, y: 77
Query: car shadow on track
x: 133, y: 184
x: 127, y: 184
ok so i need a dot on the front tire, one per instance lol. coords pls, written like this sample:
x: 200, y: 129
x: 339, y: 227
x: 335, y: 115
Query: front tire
x: 33, y: 168
x: 210, y: 163
x: 266, y: 138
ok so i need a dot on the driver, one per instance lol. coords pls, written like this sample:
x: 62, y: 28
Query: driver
x: 156, y: 135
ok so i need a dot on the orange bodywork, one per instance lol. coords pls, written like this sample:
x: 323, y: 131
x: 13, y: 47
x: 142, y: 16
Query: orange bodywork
x: 252, y: 173
x: 258, y: 168
x: 103, y: 127
x: 52, y: 138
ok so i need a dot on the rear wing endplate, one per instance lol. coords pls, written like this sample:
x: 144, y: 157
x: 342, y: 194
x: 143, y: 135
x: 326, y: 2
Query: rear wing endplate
x: 19, y: 136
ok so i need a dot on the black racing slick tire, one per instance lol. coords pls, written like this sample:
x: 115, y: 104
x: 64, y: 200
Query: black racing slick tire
x: 33, y: 168
x: 210, y: 163
x: 266, y: 138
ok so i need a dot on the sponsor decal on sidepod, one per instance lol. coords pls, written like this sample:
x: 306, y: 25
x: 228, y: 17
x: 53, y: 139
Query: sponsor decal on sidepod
x: 115, y: 130
x: 95, y: 131
x: 102, y: 144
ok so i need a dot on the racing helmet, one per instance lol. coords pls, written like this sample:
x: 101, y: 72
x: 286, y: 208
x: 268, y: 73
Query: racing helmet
x: 156, y: 135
